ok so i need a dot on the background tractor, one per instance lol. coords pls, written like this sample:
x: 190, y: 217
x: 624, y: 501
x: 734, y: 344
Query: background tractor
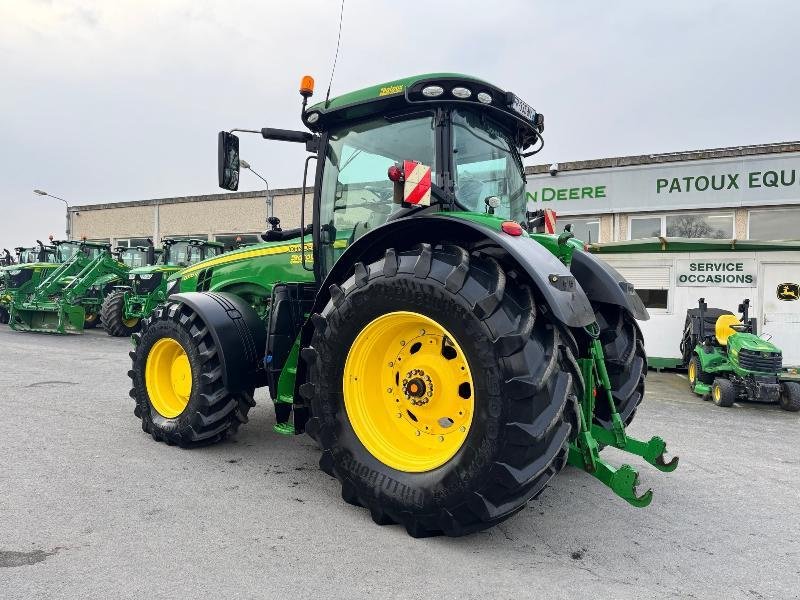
x: 146, y: 287
x: 448, y: 358
x: 21, y: 278
x: 727, y: 361
x: 65, y: 300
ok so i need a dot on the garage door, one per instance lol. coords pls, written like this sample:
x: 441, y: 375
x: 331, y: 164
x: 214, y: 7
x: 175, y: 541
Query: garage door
x: 780, y: 307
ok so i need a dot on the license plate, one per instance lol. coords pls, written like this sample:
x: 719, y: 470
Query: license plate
x: 523, y: 108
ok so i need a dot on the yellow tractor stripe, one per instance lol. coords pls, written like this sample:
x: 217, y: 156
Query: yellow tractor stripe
x: 256, y: 252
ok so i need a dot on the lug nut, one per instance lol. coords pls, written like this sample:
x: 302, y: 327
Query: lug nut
x: 441, y: 438
x: 416, y: 432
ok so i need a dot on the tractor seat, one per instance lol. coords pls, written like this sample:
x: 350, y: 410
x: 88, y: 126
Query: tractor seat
x: 723, y: 328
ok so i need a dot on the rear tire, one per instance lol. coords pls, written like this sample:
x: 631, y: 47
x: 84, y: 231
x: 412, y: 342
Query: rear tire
x: 4, y: 316
x: 723, y: 392
x: 211, y: 412
x: 112, y: 313
x: 626, y: 362
x: 525, y: 389
x: 790, y: 396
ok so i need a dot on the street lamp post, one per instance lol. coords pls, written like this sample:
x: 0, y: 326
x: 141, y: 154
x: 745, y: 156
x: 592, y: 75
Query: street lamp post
x: 246, y: 165
x: 43, y: 193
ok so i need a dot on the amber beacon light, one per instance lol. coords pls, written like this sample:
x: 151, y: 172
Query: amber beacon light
x: 306, y: 86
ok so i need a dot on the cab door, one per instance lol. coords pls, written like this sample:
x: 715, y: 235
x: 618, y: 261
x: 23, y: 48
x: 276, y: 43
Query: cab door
x: 780, y: 308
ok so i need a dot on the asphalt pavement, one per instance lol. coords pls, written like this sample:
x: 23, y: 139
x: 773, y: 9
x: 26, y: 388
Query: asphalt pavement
x: 91, y: 507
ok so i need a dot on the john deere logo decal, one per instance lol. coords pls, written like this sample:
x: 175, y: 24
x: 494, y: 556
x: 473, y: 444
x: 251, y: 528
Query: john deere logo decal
x: 789, y: 291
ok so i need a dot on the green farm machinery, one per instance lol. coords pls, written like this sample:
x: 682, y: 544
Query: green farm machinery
x: 448, y: 356
x: 727, y: 361
x: 25, y: 273
x: 146, y: 286
x: 68, y: 299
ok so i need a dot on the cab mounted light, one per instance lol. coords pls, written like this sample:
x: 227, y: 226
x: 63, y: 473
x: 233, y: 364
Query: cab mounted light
x: 312, y: 117
x: 307, y: 86
x: 432, y: 91
x: 484, y: 98
x: 460, y: 92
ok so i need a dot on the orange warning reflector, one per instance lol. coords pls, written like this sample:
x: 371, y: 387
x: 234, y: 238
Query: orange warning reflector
x: 511, y: 228
x: 417, y: 185
x: 549, y: 220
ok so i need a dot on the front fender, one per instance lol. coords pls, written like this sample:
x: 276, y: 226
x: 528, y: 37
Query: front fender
x: 603, y: 283
x: 240, y: 336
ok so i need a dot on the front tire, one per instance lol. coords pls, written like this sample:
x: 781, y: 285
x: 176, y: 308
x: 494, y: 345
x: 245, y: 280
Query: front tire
x: 626, y: 362
x: 177, y: 381
x: 723, y: 392
x: 112, y: 313
x: 790, y: 396
x: 521, y: 386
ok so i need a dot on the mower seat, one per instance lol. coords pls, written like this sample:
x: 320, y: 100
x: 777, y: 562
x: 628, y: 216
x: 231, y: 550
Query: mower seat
x: 723, y: 328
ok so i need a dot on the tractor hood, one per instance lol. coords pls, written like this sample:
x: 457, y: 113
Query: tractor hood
x: 753, y: 343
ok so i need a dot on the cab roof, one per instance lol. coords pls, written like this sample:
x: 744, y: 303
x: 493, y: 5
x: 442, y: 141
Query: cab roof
x: 402, y: 93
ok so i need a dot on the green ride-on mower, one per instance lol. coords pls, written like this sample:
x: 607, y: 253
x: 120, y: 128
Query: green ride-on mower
x: 447, y: 357
x: 64, y: 301
x: 727, y: 361
x: 126, y: 305
x: 22, y: 276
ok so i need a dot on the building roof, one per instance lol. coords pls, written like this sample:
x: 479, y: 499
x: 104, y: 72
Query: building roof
x: 667, y: 157
x: 295, y: 191
x: 677, y: 244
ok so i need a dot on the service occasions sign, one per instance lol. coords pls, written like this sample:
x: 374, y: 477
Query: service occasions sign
x: 715, y: 272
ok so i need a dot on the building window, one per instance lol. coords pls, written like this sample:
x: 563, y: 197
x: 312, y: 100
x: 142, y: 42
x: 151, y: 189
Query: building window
x: 654, y: 298
x: 586, y: 229
x: 768, y: 225
x: 686, y: 225
x: 191, y: 236
x: 644, y: 227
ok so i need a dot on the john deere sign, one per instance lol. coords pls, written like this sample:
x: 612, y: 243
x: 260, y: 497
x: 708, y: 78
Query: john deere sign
x: 726, y: 182
x: 713, y: 272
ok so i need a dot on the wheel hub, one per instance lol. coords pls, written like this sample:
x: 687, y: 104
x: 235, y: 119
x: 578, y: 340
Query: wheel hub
x: 417, y: 387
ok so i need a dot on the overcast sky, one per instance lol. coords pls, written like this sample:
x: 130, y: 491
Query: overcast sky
x: 111, y: 100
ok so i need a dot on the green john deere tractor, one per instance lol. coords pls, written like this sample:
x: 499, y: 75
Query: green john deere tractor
x: 146, y: 286
x: 448, y: 358
x: 727, y: 361
x: 65, y: 300
x: 25, y: 274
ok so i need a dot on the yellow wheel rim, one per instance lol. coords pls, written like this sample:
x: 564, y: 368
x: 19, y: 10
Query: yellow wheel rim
x: 692, y: 373
x: 717, y: 393
x: 130, y: 322
x: 408, y: 391
x: 168, y: 377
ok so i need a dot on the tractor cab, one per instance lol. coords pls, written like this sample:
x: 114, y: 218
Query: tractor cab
x: 67, y: 249
x: 138, y: 256
x: 185, y: 252
x: 423, y: 145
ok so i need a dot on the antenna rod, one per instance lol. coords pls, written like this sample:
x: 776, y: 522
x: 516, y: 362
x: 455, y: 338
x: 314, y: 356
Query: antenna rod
x: 336, y: 56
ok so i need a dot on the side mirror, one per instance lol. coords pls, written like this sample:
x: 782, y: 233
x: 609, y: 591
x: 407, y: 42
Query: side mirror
x: 228, y: 161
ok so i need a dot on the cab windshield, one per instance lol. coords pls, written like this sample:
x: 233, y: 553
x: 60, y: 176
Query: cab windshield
x: 66, y: 250
x: 30, y: 255
x: 357, y: 194
x: 178, y: 254
x: 133, y: 257
x: 486, y: 164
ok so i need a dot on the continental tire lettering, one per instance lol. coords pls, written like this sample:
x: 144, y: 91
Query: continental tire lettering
x: 389, y: 486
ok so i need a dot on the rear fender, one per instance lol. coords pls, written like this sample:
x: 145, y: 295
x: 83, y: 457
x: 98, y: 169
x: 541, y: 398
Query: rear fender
x: 564, y: 297
x: 603, y: 283
x: 240, y: 336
